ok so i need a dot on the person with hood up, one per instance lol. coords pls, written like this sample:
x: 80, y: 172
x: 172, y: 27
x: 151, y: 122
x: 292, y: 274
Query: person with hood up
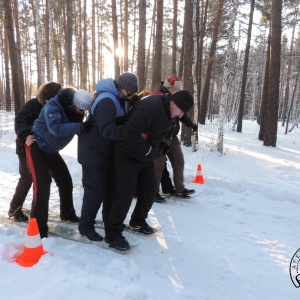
x: 23, y: 128
x: 60, y: 119
x: 95, y: 151
x: 149, y: 121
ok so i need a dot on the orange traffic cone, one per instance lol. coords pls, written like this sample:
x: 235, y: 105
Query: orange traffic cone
x: 199, y: 177
x: 33, y: 248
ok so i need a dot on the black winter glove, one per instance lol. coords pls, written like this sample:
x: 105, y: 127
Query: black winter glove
x: 155, y: 153
x: 195, y: 127
x: 87, y: 125
x: 164, y: 148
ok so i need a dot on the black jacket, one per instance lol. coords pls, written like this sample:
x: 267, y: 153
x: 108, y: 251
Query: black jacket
x: 24, y: 120
x: 174, y: 131
x: 152, y: 116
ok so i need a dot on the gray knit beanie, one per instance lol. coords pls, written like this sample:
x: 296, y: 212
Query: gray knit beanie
x: 127, y: 81
x: 82, y: 99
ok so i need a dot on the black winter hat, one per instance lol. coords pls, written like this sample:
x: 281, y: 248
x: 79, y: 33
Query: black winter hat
x: 127, y: 81
x: 183, y: 100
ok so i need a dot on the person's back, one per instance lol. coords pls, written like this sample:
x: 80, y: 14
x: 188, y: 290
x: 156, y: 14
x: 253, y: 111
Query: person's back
x: 151, y: 113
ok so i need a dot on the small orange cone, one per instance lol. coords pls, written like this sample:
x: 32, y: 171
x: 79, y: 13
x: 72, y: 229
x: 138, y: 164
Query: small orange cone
x: 199, y: 177
x: 33, y: 248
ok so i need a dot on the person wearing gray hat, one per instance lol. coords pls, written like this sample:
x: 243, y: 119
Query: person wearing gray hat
x: 60, y: 119
x: 128, y: 82
x: 95, y: 148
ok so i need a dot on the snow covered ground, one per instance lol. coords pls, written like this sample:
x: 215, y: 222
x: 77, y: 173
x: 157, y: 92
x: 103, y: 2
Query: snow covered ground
x: 234, y: 241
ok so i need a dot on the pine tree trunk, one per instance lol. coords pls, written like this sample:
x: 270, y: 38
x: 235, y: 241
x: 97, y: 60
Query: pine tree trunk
x: 205, y: 92
x: 126, y: 17
x: 204, y: 9
x: 18, y: 89
x: 69, y: 36
x: 292, y: 101
x: 141, y: 70
x: 227, y: 78
x: 195, y: 78
x: 7, y: 77
x: 263, y: 106
x: 115, y: 37
x: 245, y: 69
x: 84, y: 66
x: 157, y: 60
x: 287, y: 87
x: 174, y: 37
x: 270, y: 136
x: 187, y: 65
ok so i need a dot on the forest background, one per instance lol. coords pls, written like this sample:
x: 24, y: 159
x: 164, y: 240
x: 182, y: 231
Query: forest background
x: 240, y: 59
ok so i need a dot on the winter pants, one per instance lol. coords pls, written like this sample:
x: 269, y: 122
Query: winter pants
x: 42, y: 166
x: 99, y: 187
x: 175, y: 156
x: 166, y: 182
x: 159, y: 164
x: 129, y: 175
x: 23, y: 186
x: 176, y: 159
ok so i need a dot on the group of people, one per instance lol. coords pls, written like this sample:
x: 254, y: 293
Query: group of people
x: 122, y: 148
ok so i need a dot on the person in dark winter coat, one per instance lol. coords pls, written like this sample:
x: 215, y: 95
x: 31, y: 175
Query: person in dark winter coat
x: 60, y: 119
x: 95, y: 151
x: 171, y: 85
x: 23, y: 128
x: 150, y: 120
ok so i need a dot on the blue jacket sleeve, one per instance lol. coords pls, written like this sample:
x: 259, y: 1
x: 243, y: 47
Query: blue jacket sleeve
x: 105, y: 117
x: 54, y: 121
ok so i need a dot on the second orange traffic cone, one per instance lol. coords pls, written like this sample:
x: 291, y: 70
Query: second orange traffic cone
x: 33, y: 248
x: 199, y: 177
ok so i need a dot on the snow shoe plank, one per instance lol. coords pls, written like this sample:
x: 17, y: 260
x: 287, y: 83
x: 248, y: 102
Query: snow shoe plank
x: 55, y: 218
x: 7, y: 220
x: 67, y: 232
x: 74, y: 235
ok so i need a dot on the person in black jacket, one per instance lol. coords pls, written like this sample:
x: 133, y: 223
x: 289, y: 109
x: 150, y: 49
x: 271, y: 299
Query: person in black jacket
x: 149, y: 121
x: 23, y: 128
x: 171, y: 85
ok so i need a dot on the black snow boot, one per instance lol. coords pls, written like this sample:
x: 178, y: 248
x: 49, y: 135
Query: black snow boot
x: 185, y: 193
x: 18, y: 216
x: 118, y: 243
x: 142, y: 228
x: 159, y: 198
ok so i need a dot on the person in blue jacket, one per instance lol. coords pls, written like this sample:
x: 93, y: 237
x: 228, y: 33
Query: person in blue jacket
x: 95, y: 149
x: 24, y: 120
x: 60, y: 119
